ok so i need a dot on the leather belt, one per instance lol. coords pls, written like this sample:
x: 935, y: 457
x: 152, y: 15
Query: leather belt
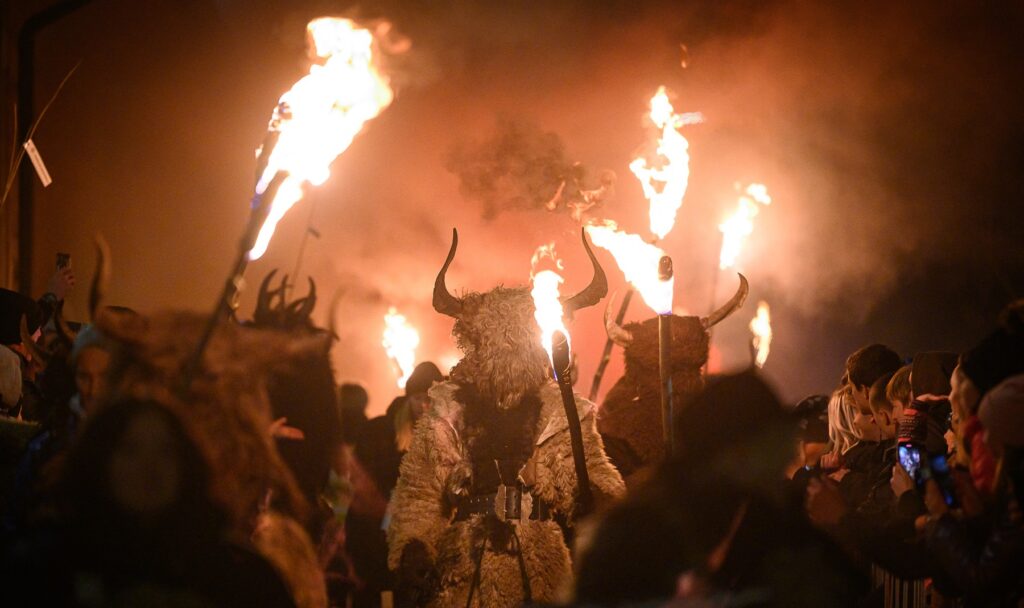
x: 485, y: 504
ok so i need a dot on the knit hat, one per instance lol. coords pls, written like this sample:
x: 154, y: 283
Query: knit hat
x: 1002, y: 412
x: 997, y: 357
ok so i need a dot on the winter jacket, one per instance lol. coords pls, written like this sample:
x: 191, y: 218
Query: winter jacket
x: 986, y: 562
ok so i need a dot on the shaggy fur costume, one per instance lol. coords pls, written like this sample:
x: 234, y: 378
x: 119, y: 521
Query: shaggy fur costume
x: 438, y: 469
x: 227, y: 405
x: 630, y: 417
x: 500, y: 342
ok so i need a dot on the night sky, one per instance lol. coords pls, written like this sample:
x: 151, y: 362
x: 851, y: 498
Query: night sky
x: 890, y: 135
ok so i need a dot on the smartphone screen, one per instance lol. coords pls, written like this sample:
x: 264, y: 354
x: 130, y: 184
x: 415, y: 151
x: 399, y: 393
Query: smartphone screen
x: 910, y: 460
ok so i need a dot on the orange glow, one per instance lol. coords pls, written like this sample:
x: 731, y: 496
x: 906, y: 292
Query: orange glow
x: 737, y: 227
x: 546, y: 298
x: 400, y: 341
x: 638, y: 260
x: 665, y: 178
x: 322, y: 113
x: 761, y: 327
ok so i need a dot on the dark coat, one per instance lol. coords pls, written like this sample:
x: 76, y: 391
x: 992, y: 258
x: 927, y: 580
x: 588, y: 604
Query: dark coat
x: 986, y: 562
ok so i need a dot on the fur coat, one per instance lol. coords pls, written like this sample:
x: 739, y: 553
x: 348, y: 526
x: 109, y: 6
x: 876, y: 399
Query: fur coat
x: 437, y: 464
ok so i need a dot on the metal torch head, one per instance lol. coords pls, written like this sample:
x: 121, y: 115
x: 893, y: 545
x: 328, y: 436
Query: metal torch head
x: 664, y: 268
x: 560, y: 359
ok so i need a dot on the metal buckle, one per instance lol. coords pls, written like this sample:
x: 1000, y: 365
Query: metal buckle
x: 511, y: 504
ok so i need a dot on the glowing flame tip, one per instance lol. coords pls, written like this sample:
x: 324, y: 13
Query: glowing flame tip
x: 547, y: 300
x: 738, y: 226
x: 317, y: 119
x: 400, y: 340
x: 761, y: 327
x: 638, y: 261
x: 664, y: 179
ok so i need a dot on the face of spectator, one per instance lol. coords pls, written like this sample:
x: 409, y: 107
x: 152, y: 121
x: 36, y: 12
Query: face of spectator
x: 860, y: 396
x: 964, y: 395
x: 864, y: 423
x: 91, y: 376
x: 887, y: 421
x: 145, y: 467
x: 897, y: 411
x: 418, y: 405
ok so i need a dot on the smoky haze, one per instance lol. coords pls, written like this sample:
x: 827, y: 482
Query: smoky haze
x: 890, y: 138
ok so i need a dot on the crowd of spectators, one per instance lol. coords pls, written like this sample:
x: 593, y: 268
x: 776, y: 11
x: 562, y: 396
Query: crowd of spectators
x: 257, y: 481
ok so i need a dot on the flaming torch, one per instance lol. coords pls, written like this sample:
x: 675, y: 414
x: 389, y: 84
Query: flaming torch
x: 737, y: 227
x: 665, y: 360
x: 549, y: 313
x: 639, y: 262
x: 649, y: 271
x: 761, y: 327
x: 312, y: 124
x: 664, y: 180
x: 735, y: 230
x: 400, y: 341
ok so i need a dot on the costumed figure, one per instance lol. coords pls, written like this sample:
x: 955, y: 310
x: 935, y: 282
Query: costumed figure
x: 303, y: 400
x: 630, y: 417
x: 489, y: 474
x: 226, y: 398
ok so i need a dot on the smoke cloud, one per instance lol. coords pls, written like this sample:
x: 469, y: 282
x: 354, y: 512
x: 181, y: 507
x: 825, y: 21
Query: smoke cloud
x: 889, y: 136
x: 521, y: 167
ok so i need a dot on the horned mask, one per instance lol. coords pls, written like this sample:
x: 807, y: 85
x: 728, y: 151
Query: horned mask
x: 499, y: 337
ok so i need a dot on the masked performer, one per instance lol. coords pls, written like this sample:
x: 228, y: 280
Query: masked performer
x: 630, y: 417
x: 490, y: 467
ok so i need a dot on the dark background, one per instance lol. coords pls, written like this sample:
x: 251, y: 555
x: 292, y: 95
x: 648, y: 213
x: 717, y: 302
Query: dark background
x: 890, y: 135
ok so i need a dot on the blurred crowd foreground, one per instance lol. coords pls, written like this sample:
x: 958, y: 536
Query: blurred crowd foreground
x: 135, y: 473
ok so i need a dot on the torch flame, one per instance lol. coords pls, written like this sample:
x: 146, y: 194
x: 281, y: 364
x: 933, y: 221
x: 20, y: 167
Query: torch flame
x: 740, y: 224
x: 400, y: 341
x: 761, y: 327
x: 547, y: 301
x: 664, y: 182
x: 638, y: 260
x: 322, y: 113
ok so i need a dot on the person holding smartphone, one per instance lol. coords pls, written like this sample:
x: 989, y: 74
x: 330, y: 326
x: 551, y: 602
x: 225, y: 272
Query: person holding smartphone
x: 982, y: 548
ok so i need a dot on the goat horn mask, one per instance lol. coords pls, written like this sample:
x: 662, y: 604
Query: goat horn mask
x: 447, y: 304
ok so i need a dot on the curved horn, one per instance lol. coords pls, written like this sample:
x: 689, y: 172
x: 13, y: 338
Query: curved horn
x: 597, y: 289
x: 63, y: 329
x: 304, y: 307
x: 30, y: 345
x: 616, y: 333
x: 281, y: 293
x: 444, y: 302
x: 101, y: 278
x: 730, y: 307
x: 263, y: 298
